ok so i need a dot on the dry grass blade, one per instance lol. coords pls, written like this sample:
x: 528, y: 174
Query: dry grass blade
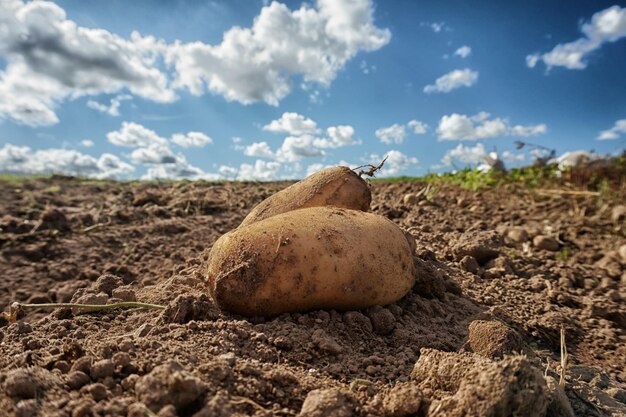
x: 90, y: 307
x: 564, y: 359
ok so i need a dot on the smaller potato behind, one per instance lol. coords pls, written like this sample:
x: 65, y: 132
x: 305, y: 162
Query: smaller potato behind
x: 312, y: 258
x: 336, y: 186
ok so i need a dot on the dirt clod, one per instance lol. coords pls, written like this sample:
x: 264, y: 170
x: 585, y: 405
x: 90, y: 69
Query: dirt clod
x: 493, y: 339
x: 482, y: 245
x: 546, y: 243
x: 328, y: 403
x: 169, y: 384
x: 21, y: 383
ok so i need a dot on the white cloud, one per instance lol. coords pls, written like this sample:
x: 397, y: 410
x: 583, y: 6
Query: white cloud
x: 391, y: 134
x: 511, y: 157
x: 465, y: 154
x: 436, y: 27
x: 419, y: 128
x: 23, y: 160
x: 255, y: 64
x: 113, y: 109
x: 87, y: 143
x: 259, y: 171
x: 196, y: 139
x: 453, y: 80
x: 294, y: 148
x: 303, y: 140
x: 338, y: 136
x: 259, y: 149
x: 608, y: 25
x: 134, y: 135
x: 397, y: 163
x: 153, y: 154
x: 293, y: 124
x: 464, y: 51
x: 51, y: 59
x: 461, y: 127
x: 180, y: 169
x: 618, y: 129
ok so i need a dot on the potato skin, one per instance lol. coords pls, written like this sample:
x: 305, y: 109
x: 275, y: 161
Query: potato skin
x: 336, y: 186
x: 312, y: 258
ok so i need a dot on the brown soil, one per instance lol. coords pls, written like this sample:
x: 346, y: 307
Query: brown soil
x: 500, y: 272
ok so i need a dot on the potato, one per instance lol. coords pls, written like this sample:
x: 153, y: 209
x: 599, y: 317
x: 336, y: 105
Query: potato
x: 337, y: 186
x: 312, y: 258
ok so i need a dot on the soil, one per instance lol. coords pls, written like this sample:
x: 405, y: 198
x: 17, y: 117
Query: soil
x: 500, y: 273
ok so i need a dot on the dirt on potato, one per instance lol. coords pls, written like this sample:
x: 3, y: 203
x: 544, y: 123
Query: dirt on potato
x: 499, y: 273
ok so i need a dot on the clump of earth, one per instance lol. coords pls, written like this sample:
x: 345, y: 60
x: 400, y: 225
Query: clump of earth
x: 501, y: 274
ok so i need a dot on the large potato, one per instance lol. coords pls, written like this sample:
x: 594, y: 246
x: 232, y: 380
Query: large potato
x: 336, y: 186
x: 312, y: 258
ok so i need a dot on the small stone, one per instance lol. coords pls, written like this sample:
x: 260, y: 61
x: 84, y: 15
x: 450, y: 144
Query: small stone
x: 330, y: 402
x: 143, y: 330
x: 26, y: 408
x: 469, y: 264
x: 102, y: 369
x: 107, y: 283
x: 98, y: 391
x: 121, y: 359
x: 124, y: 294
x: 517, y: 235
x: 546, y: 243
x: 326, y: 342
x: 62, y: 366
x: 53, y: 219
x: 358, y: 320
x: 77, y: 379
x: 383, y: 320
x: 410, y: 199
x: 482, y: 245
x: 20, y: 383
x: 83, y: 364
x: 618, y: 214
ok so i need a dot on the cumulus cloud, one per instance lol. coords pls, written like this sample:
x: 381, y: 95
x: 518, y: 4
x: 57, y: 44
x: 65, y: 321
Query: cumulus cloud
x: 87, y: 143
x: 23, y: 160
x: 618, y: 129
x: 608, y: 25
x: 467, y: 155
x: 113, y: 109
x: 453, y: 80
x: 397, y: 163
x: 134, y: 135
x: 51, y: 59
x: 464, y: 51
x: 255, y: 64
x: 259, y: 171
x: 293, y: 124
x: 294, y: 148
x: 337, y: 136
x: 391, y: 134
x: 461, y: 127
x: 191, y: 139
x: 419, y: 128
x: 154, y: 151
x: 259, y: 149
x: 304, y: 140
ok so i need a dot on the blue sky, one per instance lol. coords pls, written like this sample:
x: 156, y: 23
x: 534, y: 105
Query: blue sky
x: 257, y: 90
